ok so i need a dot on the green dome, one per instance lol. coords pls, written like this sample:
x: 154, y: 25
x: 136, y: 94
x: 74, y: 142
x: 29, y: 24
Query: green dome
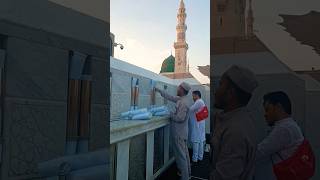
x: 168, y: 65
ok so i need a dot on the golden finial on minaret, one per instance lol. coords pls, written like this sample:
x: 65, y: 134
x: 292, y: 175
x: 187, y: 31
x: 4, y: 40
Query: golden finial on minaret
x: 181, y: 4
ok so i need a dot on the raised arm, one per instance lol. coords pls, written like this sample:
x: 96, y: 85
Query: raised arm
x: 167, y: 96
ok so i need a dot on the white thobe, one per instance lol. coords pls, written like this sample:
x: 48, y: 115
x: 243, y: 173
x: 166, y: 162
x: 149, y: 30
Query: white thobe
x: 197, y: 131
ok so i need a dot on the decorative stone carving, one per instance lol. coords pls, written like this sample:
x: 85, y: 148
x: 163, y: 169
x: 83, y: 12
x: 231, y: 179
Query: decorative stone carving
x: 35, y: 132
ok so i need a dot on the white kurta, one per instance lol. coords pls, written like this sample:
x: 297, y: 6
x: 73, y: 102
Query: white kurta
x: 196, y: 129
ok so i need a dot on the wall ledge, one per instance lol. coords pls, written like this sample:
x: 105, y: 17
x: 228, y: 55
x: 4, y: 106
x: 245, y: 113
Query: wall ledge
x: 121, y: 130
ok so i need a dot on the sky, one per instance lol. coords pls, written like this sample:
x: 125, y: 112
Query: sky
x: 286, y: 48
x: 147, y: 29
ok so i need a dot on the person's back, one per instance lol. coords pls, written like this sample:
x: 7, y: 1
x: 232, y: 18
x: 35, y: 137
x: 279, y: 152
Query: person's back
x: 295, y: 134
x: 180, y: 128
x: 202, y: 126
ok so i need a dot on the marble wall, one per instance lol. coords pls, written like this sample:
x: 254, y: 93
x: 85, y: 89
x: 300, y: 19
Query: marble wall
x: 99, y: 127
x: 54, y: 18
x: 34, y: 88
x: 137, y: 157
x: 35, y: 106
x: 121, y: 92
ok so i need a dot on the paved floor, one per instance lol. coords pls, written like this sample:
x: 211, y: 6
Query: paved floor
x: 199, y: 171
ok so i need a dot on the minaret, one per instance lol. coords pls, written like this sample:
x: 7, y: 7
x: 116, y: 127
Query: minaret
x: 180, y: 45
x: 228, y: 18
x: 232, y: 26
x: 250, y: 21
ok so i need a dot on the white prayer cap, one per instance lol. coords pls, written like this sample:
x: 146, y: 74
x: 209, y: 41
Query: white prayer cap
x: 244, y: 78
x: 185, y: 86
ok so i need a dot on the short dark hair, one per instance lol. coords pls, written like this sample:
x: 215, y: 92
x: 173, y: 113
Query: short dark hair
x: 198, y: 93
x: 242, y: 96
x: 278, y: 97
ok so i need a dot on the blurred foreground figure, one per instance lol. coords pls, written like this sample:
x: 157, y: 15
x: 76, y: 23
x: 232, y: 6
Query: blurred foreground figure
x: 233, y: 143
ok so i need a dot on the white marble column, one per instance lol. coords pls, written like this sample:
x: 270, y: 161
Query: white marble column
x: 150, y: 154
x: 122, y: 172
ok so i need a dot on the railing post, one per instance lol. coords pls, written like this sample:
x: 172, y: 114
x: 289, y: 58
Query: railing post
x: 166, y: 143
x: 150, y: 154
x: 123, y: 160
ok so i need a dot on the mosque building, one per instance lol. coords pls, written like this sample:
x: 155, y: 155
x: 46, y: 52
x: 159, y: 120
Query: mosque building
x: 176, y: 67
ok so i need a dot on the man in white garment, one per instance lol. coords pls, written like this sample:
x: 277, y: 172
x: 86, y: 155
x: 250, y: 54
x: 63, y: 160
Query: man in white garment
x: 179, y: 128
x: 197, y: 129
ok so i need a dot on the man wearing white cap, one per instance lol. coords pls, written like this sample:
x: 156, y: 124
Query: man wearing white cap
x: 179, y: 128
x: 233, y: 144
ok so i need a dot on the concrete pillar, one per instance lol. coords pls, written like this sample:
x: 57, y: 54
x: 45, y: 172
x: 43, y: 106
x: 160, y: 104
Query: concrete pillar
x: 122, y: 171
x: 150, y: 153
